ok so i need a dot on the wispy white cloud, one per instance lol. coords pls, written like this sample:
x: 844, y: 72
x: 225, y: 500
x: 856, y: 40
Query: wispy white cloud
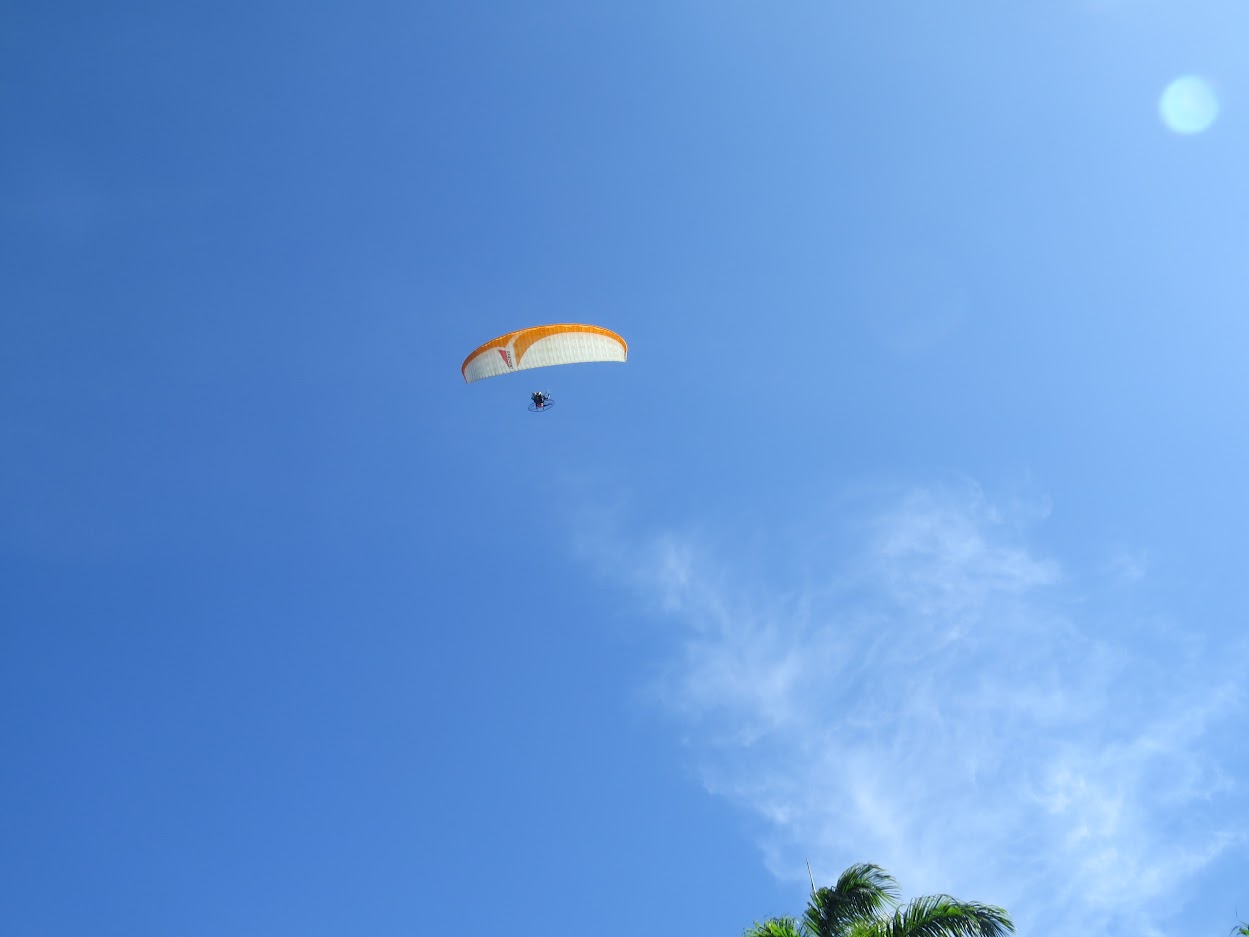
x: 932, y: 699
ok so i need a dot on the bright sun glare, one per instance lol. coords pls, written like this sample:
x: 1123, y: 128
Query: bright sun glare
x: 1188, y: 105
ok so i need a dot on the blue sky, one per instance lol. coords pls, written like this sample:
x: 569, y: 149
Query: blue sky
x: 913, y: 531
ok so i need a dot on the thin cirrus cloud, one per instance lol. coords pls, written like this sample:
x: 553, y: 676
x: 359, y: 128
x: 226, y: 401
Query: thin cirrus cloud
x: 935, y: 696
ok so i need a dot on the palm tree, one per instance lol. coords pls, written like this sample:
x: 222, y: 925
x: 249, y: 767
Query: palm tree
x: 775, y: 927
x: 864, y: 903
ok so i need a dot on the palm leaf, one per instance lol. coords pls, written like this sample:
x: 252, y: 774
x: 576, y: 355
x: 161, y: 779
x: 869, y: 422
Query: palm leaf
x: 861, y: 893
x: 943, y: 916
x: 774, y: 927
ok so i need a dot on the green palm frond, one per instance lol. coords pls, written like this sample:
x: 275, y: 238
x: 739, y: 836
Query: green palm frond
x: 943, y: 916
x: 774, y: 927
x: 862, y: 892
x: 864, y: 903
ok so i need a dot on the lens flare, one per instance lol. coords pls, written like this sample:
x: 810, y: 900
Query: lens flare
x: 1188, y: 105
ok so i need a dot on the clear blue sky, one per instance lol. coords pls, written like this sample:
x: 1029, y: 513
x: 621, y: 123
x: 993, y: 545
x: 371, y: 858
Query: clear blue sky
x: 914, y: 530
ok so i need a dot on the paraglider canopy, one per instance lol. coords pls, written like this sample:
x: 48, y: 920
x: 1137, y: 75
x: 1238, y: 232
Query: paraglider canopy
x: 543, y: 346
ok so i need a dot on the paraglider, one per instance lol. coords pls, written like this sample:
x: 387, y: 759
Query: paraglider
x: 540, y: 347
